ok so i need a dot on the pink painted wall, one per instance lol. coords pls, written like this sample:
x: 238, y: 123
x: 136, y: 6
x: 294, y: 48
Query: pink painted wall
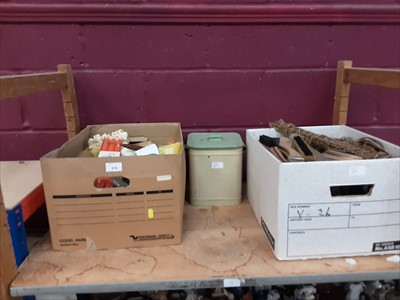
x: 208, y: 70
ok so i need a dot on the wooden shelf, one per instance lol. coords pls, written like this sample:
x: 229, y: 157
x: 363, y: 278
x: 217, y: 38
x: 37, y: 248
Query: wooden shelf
x: 222, y: 246
x: 18, y: 180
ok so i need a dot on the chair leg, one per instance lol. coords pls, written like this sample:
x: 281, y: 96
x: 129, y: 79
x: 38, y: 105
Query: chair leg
x: 342, y: 92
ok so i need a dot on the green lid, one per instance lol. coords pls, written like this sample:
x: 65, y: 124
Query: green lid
x: 214, y: 140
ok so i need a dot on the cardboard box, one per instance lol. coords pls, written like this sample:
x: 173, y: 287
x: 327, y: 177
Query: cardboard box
x: 302, y: 218
x: 147, y: 212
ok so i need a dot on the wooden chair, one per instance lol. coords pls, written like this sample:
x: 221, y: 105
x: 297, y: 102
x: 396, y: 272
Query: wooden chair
x: 23, y: 85
x: 346, y: 75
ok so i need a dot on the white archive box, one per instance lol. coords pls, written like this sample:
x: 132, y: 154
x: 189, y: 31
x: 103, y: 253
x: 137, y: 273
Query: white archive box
x: 303, y: 217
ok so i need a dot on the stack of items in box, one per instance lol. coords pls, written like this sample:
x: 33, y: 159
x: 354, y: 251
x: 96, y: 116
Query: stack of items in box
x: 119, y: 143
x: 116, y: 201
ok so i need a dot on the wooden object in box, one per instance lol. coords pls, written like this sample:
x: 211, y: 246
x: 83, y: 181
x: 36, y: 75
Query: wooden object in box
x: 346, y: 75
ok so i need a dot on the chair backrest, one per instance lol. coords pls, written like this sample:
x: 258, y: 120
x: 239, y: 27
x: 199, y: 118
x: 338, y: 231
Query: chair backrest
x: 22, y: 85
x: 346, y: 75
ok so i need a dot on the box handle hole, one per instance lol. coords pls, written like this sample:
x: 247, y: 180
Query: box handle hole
x: 351, y: 190
x: 111, y: 182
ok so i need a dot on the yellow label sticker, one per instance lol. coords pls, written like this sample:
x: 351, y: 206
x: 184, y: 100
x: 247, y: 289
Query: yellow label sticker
x: 150, y: 213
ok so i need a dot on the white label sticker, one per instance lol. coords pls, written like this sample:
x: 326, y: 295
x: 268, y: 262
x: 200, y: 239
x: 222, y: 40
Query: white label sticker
x: 114, y: 167
x: 217, y: 165
x: 164, y: 177
x: 231, y: 282
x: 109, y: 154
x: 330, y: 222
x: 355, y: 171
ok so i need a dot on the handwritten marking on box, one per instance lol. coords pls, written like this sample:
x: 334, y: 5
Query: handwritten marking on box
x: 114, y: 167
x: 150, y: 213
x: 217, y: 165
x: 231, y: 282
x: 356, y: 171
x: 164, y: 177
